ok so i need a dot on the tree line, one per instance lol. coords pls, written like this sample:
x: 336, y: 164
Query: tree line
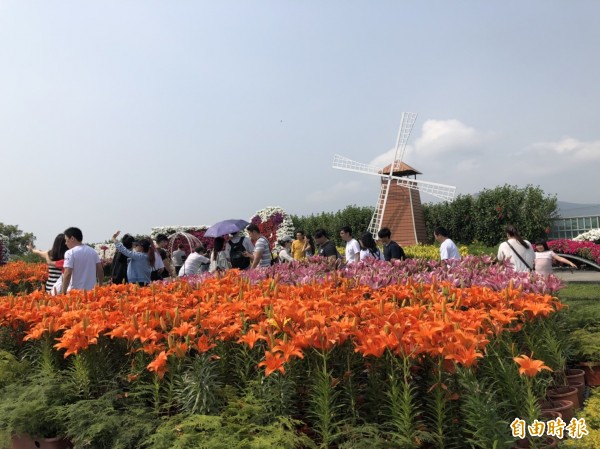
x: 469, y: 218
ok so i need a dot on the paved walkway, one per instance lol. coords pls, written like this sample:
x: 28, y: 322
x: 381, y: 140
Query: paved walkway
x: 583, y: 276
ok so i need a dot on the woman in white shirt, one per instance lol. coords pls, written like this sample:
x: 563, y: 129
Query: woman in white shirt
x: 544, y: 258
x: 368, y: 248
x: 519, y: 251
x: 285, y: 252
x: 218, y: 258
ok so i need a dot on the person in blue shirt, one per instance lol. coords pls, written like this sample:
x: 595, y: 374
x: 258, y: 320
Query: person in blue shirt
x: 141, y: 260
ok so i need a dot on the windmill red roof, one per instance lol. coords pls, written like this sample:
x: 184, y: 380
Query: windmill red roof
x: 400, y: 169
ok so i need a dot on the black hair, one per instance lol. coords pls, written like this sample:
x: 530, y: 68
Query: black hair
x: 74, y: 232
x: 161, y: 238
x: 148, y: 248
x: 199, y: 249
x: 127, y: 241
x: 320, y: 233
x: 180, y: 246
x: 347, y: 229
x: 544, y: 243
x: 218, y: 246
x: 384, y: 233
x: 59, y: 248
x: 440, y: 230
x: 367, y: 241
x: 252, y: 228
x: 512, y: 231
x: 300, y: 231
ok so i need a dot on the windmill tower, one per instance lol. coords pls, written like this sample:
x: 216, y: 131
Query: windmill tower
x: 399, y: 204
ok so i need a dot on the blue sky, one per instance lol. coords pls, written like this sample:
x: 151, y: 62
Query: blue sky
x: 129, y: 115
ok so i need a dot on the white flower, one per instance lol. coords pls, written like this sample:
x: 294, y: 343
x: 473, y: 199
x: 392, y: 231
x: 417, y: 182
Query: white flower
x: 285, y: 228
x: 105, y: 254
x: 170, y: 230
x: 592, y: 235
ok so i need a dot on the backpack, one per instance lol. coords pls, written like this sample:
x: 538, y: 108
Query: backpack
x: 236, y: 255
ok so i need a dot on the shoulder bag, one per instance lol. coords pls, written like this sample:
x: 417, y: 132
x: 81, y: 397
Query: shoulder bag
x: 518, y: 255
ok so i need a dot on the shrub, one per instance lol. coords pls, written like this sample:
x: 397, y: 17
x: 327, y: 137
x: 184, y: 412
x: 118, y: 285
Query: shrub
x: 484, y: 217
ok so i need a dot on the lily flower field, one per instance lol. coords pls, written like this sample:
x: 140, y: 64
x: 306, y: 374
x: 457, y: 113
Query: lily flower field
x: 417, y: 353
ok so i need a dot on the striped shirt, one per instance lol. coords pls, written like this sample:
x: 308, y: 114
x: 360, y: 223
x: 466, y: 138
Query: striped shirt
x: 262, y: 246
x: 53, y: 274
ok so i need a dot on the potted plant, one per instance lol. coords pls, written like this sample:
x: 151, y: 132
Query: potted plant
x: 591, y: 415
x: 583, y: 330
x: 30, y: 410
x: 587, y: 353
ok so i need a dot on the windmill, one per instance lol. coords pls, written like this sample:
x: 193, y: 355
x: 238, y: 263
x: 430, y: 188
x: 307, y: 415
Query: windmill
x: 399, y: 204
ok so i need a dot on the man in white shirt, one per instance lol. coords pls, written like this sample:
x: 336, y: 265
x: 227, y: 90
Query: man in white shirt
x: 178, y: 258
x: 352, y: 245
x: 82, y: 268
x: 194, y: 262
x: 448, y: 249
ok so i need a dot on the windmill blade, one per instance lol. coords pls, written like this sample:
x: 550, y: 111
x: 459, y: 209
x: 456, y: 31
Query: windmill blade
x: 406, y: 124
x: 442, y: 191
x: 377, y: 217
x: 343, y: 163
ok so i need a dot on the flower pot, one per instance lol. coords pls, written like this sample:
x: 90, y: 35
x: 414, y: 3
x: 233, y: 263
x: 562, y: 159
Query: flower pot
x: 565, y: 408
x: 574, y: 375
x: 545, y: 442
x: 564, y: 393
x: 26, y: 442
x: 549, y: 415
x: 592, y: 373
x: 580, y: 385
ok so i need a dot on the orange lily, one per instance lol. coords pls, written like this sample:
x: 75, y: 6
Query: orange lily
x: 159, y: 364
x: 273, y: 362
x: 530, y: 367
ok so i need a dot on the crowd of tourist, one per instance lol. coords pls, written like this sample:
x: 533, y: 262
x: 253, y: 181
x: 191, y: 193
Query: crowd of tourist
x: 73, y: 265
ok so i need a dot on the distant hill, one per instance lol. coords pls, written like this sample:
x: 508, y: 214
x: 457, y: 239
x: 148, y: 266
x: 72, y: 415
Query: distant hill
x: 568, y: 210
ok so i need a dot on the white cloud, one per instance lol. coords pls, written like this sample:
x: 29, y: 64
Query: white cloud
x: 440, y: 139
x: 338, y: 191
x: 569, y: 149
x: 386, y: 158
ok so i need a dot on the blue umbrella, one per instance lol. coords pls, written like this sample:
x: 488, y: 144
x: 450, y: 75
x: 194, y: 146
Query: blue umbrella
x: 225, y: 227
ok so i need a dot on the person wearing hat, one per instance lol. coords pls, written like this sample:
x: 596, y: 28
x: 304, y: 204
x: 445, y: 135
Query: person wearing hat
x: 286, y: 246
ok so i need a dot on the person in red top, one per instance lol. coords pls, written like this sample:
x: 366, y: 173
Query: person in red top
x: 54, y: 258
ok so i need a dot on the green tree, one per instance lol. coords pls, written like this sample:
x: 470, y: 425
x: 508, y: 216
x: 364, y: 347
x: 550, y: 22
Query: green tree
x: 529, y: 209
x: 483, y: 217
x: 356, y: 217
x: 457, y: 217
x: 17, y: 239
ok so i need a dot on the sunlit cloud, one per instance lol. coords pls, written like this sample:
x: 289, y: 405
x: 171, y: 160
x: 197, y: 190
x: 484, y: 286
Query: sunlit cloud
x: 568, y: 148
x: 441, y: 139
x: 387, y: 158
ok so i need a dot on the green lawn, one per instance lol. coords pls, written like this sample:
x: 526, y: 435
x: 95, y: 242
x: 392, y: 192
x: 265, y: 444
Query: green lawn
x: 580, y: 292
